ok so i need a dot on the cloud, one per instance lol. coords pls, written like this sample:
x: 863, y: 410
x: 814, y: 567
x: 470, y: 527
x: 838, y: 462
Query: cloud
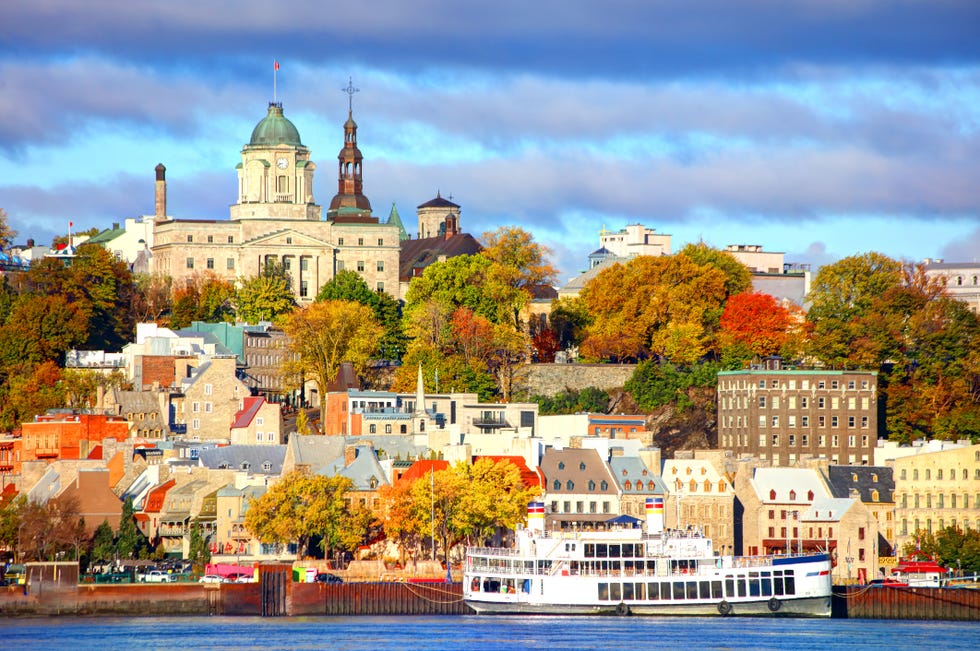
x: 965, y: 249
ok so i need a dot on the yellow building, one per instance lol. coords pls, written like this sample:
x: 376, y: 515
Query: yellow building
x: 936, y: 490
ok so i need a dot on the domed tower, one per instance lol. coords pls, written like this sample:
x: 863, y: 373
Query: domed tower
x: 275, y: 177
x: 350, y: 204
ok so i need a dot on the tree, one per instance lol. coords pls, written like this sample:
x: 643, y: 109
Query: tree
x: 348, y: 285
x: 341, y: 527
x: 41, y: 328
x: 738, y: 278
x: 756, y: 322
x: 569, y: 318
x: 7, y: 234
x: 103, y: 542
x: 199, y: 552
x: 152, y: 298
x: 326, y: 333
x: 202, y: 298
x: 952, y: 547
x: 519, y: 265
x: 129, y: 540
x: 29, y: 391
x: 401, y: 517
x: 267, y: 296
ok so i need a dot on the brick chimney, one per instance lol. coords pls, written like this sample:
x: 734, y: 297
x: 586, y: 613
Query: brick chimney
x: 160, y: 213
x: 350, y: 453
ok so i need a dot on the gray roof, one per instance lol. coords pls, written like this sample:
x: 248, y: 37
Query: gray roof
x: 48, y: 486
x: 640, y: 478
x: 316, y: 451
x: 236, y: 457
x: 363, y: 471
x: 390, y: 446
x: 864, y: 480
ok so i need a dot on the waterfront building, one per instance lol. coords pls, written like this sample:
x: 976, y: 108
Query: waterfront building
x: 936, y: 490
x: 783, y: 415
x: 700, y: 496
x: 579, y: 489
x: 875, y: 487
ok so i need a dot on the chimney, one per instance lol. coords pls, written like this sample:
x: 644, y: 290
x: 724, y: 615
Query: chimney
x: 161, y: 194
x: 350, y: 453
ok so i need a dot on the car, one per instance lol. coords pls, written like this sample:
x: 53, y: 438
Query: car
x: 211, y: 578
x: 157, y: 576
x: 326, y: 577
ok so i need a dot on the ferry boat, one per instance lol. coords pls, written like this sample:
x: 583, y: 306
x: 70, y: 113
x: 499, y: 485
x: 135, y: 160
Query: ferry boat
x: 639, y: 571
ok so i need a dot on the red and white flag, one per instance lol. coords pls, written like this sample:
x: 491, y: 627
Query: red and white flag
x: 275, y: 65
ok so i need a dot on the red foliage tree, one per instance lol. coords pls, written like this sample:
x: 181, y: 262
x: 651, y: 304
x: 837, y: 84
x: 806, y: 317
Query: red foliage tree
x: 756, y: 322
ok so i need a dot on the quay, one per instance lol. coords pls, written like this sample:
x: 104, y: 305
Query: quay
x: 53, y: 589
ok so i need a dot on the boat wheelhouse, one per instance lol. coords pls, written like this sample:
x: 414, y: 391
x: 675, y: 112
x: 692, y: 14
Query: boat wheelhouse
x: 640, y: 571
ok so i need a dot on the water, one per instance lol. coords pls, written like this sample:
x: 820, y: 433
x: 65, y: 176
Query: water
x: 480, y: 633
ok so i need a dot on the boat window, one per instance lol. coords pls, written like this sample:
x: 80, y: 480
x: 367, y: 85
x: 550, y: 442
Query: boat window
x: 603, y: 592
x: 491, y: 585
x: 789, y: 584
x: 653, y: 591
x: 526, y: 586
x: 729, y: 587
x: 777, y: 583
x: 716, y: 592
x: 628, y: 591
x: 754, y: 587
x: 679, y: 590
x: 615, y: 551
x: 616, y: 591
x: 704, y: 589
x: 692, y: 589
x: 742, y: 587
x: 475, y: 584
x: 766, y: 585
x: 589, y: 550
x: 602, y: 551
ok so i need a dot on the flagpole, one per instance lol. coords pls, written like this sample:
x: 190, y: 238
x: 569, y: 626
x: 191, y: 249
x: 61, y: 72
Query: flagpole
x: 275, y: 70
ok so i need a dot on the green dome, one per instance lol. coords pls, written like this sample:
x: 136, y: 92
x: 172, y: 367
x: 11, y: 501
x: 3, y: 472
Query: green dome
x: 274, y: 129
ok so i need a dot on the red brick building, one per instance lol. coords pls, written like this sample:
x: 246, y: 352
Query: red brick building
x: 65, y: 436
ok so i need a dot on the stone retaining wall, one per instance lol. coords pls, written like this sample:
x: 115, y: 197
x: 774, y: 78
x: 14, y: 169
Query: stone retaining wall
x: 551, y: 379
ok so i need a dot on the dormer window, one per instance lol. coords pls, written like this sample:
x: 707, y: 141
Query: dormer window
x: 809, y: 496
x: 591, y: 485
x: 557, y: 485
x: 581, y: 465
x: 624, y: 472
x: 604, y: 485
x: 561, y: 465
x: 772, y: 494
x: 628, y: 485
x: 569, y: 485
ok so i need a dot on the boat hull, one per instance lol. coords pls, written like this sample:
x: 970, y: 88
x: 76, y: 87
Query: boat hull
x: 796, y: 607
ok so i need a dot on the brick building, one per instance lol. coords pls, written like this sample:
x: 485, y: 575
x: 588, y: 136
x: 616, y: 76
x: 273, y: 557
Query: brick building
x: 781, y: 415
x: 68, y: 435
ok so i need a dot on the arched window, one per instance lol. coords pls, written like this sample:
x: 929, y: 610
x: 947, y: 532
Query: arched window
x: 604, y: 485
x: 591, y: 485
x: 561, y: 465
x: 569, y: 485
x: 809, y: 496
x: 772, y: 494
x: 557, y: 485
x: 792, y: 496
x: 628, y: 485
x: 874, y: 495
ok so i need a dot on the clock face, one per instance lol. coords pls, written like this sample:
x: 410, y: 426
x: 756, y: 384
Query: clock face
x: 282, y: 163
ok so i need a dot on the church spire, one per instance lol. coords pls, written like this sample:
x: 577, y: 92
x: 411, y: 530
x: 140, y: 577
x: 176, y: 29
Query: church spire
x: 350, y: 202
x: 420, y: 394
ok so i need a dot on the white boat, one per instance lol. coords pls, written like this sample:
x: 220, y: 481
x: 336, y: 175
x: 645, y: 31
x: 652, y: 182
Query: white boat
x: 639, y: 571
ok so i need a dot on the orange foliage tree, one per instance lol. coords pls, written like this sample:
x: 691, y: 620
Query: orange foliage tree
x: 755, y: 322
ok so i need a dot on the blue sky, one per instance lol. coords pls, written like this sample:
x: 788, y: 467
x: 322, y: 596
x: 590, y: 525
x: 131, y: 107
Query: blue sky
x: 821, y: 128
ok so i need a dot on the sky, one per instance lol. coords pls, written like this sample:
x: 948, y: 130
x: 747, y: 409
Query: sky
x: 820, y: 128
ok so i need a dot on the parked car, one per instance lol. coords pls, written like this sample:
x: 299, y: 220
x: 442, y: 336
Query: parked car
x: 157, y: 576
x: 326, y: 577
x: 212, y: 578
x: 244, y: 578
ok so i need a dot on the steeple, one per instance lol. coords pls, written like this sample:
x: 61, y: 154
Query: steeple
x: 394, y: 219
x: 349, y: 204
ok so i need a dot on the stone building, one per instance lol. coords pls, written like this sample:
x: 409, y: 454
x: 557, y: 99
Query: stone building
x: 960, y: 279
x: 579, y: 488
x: 700, y: 496
x: 937, y: 490
x: 275, y: 218
x: 211, y: 398
x: 782, y: 415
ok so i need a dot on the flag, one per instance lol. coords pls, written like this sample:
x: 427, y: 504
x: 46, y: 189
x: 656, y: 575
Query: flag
x: 275, y: 65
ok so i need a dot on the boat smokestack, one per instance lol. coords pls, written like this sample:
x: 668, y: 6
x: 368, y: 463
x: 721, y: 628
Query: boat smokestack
x: 535, y: 517
x: 655, y: 515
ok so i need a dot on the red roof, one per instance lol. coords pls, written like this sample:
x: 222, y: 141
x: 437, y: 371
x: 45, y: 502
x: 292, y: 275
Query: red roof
x: 96, y: 452
x: 251, y: 406
x: 154, y: 501
x: 423, y: 467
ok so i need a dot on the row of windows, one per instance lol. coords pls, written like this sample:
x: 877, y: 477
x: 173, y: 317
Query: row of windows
x: 373, y: 429
x: 916, y: 525
x: 952, y: 475
x: 360, y: 241
x: 210, y: 239
x: 209, y: 263
x: 267, y: 436
x: 941, y: 502
x: 804, y: 421
x: 791, y: 384
x: 580, y: 507
x: 804, y: 440
x: 821, y: 402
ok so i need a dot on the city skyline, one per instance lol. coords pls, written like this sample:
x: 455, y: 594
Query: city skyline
x: 820, y: 129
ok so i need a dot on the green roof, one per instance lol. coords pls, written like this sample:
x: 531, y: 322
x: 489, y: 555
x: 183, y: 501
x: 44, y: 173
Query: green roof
x: 274, y: 129
x: 107, y: 235
x: 394, y: 219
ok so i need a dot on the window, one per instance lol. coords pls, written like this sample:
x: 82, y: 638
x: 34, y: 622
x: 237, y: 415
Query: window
x: 791, y: 421
x: 569, y: 485
x: 381, y: 286
x: 304, y: 288
x: 340, y: 241
x: 864, y: 422
x: 804, y: 402
x: 833, y: 421
x: 190, y: 238
x: 850, y: 421
x: 804, y: 421
x: 195, y: 424
x: 230, y: 263
x: 360, y: 241
x: 360, y: 265
x: 210, y: 239
x: 821, y: 403
x: 190, y: 263
x: 762, y: 401
x: 207, y: 407
x: 381, y: 265
x: 195, y: 407
x: 850, y: 384
x: 231, y: 239
x: 775, y: 421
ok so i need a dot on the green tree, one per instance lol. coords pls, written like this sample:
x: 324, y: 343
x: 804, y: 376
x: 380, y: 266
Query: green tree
x: 267, y: 296
x: 341, y: 527
x: 103, y: 542
x: 199, y: 552
x: 570, y: 320
x: 519, y: 265
x: 202, y: 298
x: 29, y: 391
x: 129, y: 540
x: 951, y: 547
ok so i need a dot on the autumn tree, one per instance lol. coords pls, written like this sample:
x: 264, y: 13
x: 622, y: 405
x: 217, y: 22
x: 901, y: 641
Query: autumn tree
x: 47, y: 529
x: 569, y: 319
x: 301, y: 506
x: 202, y: 297
x: 401, y: 517
x: 665, y: 306
x: 152, y: 298
x: 266, y: 296
x: 41, y: 328
x: 519, y: 265
x: 29, y: 391
x: 326, y: 333
x: 755, y: 323
x: 348, y: 285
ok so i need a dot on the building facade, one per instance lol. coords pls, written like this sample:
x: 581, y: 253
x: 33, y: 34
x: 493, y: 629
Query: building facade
x: 782, y: 416
x: 275, y: 218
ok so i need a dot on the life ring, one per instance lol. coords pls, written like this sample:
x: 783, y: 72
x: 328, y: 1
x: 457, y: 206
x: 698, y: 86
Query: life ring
x: 622, y: 609
x: 774, y: 605
x: 724, y: 607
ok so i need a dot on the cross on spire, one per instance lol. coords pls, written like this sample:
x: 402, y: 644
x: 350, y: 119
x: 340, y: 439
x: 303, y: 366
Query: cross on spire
x: 350, y: 90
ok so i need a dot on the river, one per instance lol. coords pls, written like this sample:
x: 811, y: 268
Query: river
x: 474, y: 633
